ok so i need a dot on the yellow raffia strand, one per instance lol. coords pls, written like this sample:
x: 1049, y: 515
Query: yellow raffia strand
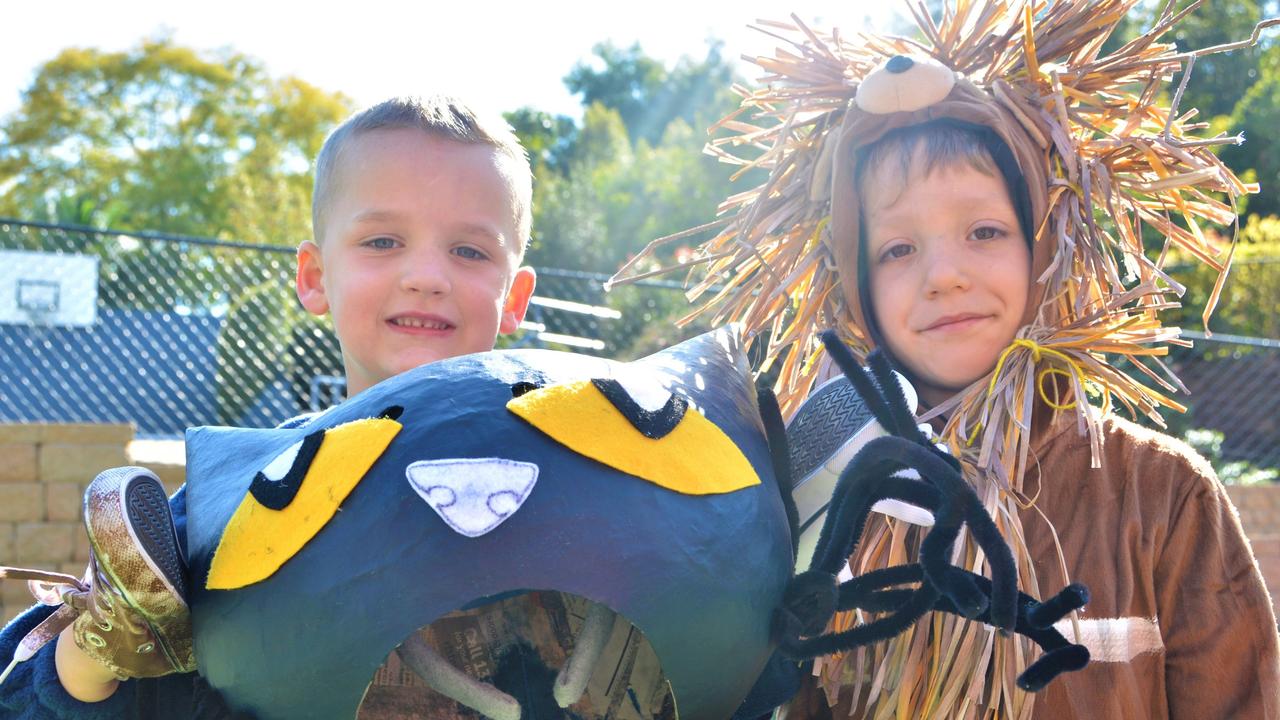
x: 1044, y: 396
x: 1077, y: 372
x: 973, y: 436
x: 816, y: 237
x: 812, y: 361
x: 1060, y: 174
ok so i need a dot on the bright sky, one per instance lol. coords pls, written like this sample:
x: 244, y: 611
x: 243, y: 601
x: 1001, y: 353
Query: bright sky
x: 498, y: 55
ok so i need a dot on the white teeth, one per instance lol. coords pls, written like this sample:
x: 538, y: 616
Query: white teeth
x: 416, y: 323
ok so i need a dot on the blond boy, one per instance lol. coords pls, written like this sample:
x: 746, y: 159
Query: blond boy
x: 421, y: 214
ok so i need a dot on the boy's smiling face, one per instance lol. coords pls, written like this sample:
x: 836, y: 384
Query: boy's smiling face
x: 949, y: 272
x: 419, y: 255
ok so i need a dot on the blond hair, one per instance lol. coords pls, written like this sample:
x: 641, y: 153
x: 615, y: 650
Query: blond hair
x: 439, y: 116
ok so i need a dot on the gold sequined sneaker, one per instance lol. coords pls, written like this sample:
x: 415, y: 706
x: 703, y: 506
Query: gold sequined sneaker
x: 129, y: 611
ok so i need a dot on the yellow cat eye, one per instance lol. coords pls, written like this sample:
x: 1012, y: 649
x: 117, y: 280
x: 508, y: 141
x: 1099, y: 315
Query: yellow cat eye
x: 673, y: 446
x: 293, y: 497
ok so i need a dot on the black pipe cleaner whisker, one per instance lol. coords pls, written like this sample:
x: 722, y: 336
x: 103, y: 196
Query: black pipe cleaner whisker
x: 854, y: 495
x: 775, y: 430
x: 905, y: 466
x: 895, y: 398
x: 870, y: 394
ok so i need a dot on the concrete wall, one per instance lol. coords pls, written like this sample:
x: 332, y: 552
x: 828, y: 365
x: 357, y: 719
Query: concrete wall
x: 44, y: 470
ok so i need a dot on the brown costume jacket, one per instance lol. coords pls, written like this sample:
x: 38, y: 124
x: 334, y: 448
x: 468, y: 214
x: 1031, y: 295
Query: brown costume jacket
x: 1179, y: 622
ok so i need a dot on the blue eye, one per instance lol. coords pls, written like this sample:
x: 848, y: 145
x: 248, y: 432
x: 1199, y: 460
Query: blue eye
x: 469, y: 253
x: 894, y: 252
x: 380, y: 243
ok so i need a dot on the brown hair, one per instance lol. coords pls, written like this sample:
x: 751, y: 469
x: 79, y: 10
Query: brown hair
x: 924, y: 148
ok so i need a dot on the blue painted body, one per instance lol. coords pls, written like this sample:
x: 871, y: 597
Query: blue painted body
x: 698, y: 575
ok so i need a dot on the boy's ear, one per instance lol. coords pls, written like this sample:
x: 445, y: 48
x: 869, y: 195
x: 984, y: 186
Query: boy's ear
x: 309, y: 279
x: 517, y: 302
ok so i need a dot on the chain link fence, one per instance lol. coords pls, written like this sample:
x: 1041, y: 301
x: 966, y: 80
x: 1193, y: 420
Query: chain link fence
x: 1233, y: 415
x: 169, y: 332
x: 172, y: 332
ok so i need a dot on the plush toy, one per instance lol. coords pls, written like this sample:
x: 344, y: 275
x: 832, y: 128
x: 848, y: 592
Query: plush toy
x: 656, y: 491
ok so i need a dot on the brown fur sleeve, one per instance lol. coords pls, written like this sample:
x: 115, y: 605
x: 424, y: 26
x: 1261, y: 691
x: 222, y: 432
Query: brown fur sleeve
x: 1215, y: 614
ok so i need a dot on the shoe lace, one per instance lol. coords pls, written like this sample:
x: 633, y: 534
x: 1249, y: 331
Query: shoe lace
x: 94, y: 594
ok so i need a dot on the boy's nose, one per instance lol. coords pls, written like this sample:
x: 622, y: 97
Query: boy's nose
x: 425, y: 276
x: 946, y: 270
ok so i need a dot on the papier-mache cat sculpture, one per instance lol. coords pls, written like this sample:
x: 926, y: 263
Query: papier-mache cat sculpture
x: 658, y: 491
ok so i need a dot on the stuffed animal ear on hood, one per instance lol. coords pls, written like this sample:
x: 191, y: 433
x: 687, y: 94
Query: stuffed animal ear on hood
x: 1101, y: 153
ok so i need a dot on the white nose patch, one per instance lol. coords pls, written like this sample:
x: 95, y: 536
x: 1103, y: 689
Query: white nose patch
x: 473, y: 495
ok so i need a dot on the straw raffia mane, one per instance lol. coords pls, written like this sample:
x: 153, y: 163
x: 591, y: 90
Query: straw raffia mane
x: 1121, y: 158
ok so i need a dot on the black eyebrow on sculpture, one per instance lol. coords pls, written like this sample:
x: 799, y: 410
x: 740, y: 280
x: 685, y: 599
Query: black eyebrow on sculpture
x: 523, y: 386
x: 277, y: 494
x: 652, y: 424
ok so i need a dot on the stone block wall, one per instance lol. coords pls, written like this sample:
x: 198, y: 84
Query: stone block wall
x: 43, y: 472
x: 1259, y: 507
x: 44, y: 469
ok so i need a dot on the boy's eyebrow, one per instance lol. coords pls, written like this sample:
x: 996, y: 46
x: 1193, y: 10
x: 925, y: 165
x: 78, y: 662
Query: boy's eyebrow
x: 484, y: 231
x: 471, y: 228
x: 375, y: 216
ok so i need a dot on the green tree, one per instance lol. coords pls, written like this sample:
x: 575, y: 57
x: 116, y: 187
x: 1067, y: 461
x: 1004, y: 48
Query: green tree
x: 547, y: 138
x: 627, y: 82
x: 1218, y: 81
x: 1236, y: 91
x: 79, y: 210
x: 1257, y: 115
x: 163, y: 138
x: 1250, y: 301
x: 633, y: 171
x: 172, y: 139
x: 648, y: 96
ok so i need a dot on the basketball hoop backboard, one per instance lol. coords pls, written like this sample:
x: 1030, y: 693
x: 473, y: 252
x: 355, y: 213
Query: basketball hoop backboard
x: 39, y: 288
